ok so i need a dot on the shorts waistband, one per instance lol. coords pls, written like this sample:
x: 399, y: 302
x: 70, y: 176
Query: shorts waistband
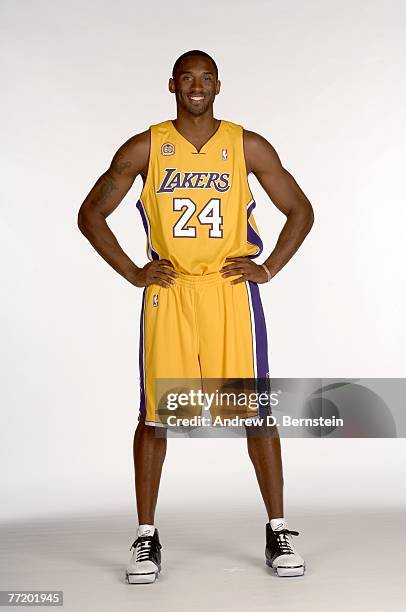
x: 200, y: 280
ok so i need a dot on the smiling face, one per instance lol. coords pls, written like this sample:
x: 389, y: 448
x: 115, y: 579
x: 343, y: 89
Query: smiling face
x: 195, y: 84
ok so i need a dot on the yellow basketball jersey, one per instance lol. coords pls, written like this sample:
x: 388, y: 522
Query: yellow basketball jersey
x: 196, y: 206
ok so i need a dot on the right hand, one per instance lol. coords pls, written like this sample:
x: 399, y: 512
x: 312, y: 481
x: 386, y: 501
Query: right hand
x: 157, y: 272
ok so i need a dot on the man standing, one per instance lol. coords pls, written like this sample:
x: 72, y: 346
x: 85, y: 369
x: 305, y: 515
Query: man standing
x: 202, y: 315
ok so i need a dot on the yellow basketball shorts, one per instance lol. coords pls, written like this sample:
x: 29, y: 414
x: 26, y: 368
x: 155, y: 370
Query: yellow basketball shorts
x: 201, y: 327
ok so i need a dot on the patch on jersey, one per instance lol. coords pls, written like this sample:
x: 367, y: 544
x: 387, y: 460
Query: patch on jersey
x: 155, y: 300
x: 224, y: 154
x: 168, y: 148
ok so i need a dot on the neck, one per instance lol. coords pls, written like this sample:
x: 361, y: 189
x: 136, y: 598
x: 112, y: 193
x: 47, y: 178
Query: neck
x: 201, y: 124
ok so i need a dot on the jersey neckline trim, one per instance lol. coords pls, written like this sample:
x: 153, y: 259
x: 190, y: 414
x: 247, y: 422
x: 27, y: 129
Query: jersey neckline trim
x: 206, y: 144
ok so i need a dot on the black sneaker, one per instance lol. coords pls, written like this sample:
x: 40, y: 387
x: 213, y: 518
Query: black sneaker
x: 145, y: 563
x: 280, y: 553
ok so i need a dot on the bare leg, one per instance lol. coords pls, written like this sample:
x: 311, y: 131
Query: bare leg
x: 264, y: 449
x: 149, y: 454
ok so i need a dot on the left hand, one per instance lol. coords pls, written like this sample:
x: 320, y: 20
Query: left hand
x: 249, y: 270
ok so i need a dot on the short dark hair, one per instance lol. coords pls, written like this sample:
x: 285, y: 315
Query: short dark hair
x: 188, y: 54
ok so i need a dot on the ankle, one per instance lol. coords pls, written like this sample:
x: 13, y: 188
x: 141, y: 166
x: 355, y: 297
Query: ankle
x: 145, y: 529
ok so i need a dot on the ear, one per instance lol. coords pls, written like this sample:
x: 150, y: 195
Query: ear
x: 218, y: 86
x: 171, y: 85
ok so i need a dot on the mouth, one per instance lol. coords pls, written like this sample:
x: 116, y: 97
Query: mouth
x: 196, y: 98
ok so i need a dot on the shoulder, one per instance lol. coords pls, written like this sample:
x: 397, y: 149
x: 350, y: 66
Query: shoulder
x: 132, y: 156
x: 255, y: 142
x: 137, y: 143
x: 258, y: 150
x: 137, y: 149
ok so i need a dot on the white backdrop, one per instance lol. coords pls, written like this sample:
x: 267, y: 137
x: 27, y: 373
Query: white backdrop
x: 321, y: 81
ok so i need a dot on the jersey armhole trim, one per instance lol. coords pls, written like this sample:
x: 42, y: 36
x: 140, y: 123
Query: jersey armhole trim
x: 245, y: 162
x: 149, y: 165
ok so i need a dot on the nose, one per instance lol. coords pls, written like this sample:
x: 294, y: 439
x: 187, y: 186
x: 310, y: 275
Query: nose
x: 197, y: 85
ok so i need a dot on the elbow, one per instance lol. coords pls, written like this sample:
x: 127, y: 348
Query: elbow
x: 303, y: 218
x: 307, y: 217
x: 83, y: 221
x: 310, y: 218
x: 302, y: 215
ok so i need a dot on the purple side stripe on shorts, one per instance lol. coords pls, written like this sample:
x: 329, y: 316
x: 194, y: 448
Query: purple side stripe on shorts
x: 252, y: 236
x: 261, y: 341
x: 151, y: 253
x: 143, y: 411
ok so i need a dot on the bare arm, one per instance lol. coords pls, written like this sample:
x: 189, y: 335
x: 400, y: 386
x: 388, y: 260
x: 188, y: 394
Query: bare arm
x: 129, y: 161
x: 262, y: 159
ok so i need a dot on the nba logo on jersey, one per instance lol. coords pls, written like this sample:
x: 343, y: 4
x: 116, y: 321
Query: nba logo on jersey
x: 224, y: 154
x: 155, y: 300
x: 167, y: 148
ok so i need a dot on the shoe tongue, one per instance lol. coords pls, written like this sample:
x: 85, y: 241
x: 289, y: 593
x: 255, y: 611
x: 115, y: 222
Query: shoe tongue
x: 278, y: 524
x: 145, y: 530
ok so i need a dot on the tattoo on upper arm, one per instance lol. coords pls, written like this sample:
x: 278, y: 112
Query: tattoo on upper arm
x: 119, y: 166
x: 106, y: 188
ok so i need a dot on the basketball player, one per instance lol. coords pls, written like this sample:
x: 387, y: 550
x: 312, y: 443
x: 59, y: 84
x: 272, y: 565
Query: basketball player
x: 201, y: 309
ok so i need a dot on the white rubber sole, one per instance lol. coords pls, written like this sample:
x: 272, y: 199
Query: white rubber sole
x: 142, y: 578
x: 285, y: 572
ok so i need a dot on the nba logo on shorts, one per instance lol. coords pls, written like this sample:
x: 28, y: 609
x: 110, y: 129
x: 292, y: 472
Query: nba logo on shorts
x: 155, y: 300
x: 224, y: 154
